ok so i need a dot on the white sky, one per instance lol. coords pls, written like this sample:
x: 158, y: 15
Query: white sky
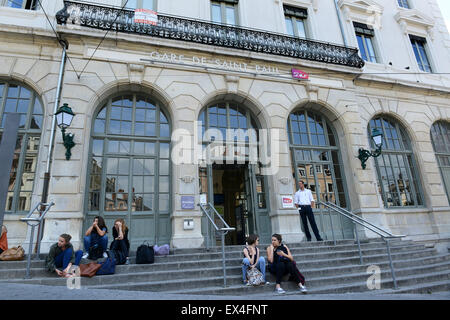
x: 445, y: 9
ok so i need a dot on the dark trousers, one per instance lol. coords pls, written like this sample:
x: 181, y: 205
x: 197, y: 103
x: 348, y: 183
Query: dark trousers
x: 306, y: 213
x: 62, y: 260
x: 120, y: 245
x: 280, y: 269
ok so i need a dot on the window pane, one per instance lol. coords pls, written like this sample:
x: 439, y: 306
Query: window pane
x: 289, y: 27
x: 301, y: 29
x: 362, y: 49
x: 371, y: 52
x: 231, y: 17
x: 148, y: 4
x: 14, y: 3
x: 216, y: 15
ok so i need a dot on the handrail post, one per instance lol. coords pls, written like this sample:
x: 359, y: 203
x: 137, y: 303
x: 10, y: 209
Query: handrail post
x: 359, y: 244
x: 321, y: 221
x: 30, y: 250
x: 223, y: 260
x: 331, y: 224
x: 207, y: 236
x: 391, y: 263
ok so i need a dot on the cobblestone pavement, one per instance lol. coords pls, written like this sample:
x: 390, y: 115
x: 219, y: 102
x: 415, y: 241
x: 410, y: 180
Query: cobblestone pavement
x: 11, y: 291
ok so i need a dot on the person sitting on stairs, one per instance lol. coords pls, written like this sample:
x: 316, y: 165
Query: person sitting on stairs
x: 281, y: 263
x: 252, y: 258
x: 62, y: 256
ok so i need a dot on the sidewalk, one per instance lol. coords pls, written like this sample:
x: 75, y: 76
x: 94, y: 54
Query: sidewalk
x: 10, y: 291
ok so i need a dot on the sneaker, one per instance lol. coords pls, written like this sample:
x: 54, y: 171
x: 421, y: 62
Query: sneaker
x: 127, y: 261
x: 267, y: 282
x: 280, y: 291
x: 303, y: 289
x: 85, y: 256
x: 105, y: 255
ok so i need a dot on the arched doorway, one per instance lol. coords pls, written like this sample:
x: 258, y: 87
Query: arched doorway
x: 317, y: 161
x: 230, y: 177
x: 130, y: 170
x: 440, y: 137
x: 17, y: 98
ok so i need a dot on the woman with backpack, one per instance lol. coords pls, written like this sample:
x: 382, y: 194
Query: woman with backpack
x: 62, y: 256
x: 96, y: 240
x: 120, y: 242
x: 252, y: 259
x: 281, y: 263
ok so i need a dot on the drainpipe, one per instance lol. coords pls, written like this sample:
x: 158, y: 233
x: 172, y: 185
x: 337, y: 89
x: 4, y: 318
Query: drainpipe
x: 45, y: 188
x: 340, y: 22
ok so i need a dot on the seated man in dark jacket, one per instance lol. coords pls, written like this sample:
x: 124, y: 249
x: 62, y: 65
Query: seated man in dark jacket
x: 61, y: 256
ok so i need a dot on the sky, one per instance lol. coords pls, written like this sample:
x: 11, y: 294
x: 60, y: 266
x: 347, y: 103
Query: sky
x: 445, y: 9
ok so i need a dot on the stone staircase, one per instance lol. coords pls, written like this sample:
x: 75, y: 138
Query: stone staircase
x: 326, y: 267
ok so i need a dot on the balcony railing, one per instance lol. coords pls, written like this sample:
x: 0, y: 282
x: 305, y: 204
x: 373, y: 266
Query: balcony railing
x: 177, y: 28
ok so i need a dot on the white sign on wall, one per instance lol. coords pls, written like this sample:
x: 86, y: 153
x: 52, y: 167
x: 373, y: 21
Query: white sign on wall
x: 287, y: 201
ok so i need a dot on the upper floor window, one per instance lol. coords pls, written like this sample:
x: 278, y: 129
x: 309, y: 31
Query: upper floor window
x: 403, y: 4
x: 140, y: 4
x: 365, y: 35
x: 21, y: 4
x: 418, y: 45
x: 295, y: 21
x: 224, y: 11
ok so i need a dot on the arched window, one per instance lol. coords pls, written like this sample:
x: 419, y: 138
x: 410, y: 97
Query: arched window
x: 440, y: 137
x: 130, y: 167
x: 316, y: 156
x: 396, y: 166
x: 15, y: 98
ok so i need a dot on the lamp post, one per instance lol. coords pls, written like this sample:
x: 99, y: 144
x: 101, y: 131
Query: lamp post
x: 364, y: 155
x: 64, y: 118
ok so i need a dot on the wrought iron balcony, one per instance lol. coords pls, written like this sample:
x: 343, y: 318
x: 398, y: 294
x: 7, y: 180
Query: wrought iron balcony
x: 177, y: 28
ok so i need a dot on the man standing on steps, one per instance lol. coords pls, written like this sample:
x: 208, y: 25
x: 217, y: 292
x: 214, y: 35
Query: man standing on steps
x: 304, y: 201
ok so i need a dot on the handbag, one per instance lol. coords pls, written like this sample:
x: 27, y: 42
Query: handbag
x: 161, y: 251
x: 255, y: 277
x: 13, y: 254
x: 89, y: 269
x: 107, y: 267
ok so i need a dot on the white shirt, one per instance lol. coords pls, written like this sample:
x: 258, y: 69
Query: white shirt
x: 304, y: 197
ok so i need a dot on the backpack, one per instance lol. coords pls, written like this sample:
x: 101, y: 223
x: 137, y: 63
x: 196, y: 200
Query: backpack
x: 255, y: 277
x: 95, y: 252
x: 118, y: 256
x: 145, y: 254
x: 107, y: 267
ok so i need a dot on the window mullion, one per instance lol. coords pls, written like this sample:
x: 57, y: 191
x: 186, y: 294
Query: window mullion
x: 19, y: 172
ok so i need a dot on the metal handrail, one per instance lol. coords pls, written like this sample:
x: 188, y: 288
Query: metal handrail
x: 223, y: 231
x: 28, y: 219
x: 366, y: 224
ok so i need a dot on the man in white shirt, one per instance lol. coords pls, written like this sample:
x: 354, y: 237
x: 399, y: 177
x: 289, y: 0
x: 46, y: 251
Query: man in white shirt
x: 304, y: 201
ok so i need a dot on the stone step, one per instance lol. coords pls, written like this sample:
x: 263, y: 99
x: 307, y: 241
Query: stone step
x: 218, y: 256
x: 342, y: 284
x: 306, y: 268
x: 207, y: 282
x: 421, y: 288
x: 311, y: 263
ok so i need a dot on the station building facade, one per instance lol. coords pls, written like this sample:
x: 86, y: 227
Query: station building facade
x: 152, y: 105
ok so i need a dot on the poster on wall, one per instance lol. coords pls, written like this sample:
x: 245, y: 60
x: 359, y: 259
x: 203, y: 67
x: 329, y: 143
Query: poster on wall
x: 287, y: 201
x: 203, y: 199
x: 145, y: 16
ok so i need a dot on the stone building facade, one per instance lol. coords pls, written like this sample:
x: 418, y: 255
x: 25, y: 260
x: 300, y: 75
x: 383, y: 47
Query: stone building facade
x: 142, y: 93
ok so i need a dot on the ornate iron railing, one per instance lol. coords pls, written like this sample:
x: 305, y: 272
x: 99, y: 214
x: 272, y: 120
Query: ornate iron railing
x: 178, y: 28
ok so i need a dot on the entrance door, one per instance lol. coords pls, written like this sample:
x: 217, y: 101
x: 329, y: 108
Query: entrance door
x: 233, y: 191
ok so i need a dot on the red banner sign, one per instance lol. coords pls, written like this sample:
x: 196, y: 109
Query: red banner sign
x: 145, y: 16
x: 299, y: 74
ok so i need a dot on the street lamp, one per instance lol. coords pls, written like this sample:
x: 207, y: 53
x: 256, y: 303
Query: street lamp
x: 364, y: 155
x: 64, y: 118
